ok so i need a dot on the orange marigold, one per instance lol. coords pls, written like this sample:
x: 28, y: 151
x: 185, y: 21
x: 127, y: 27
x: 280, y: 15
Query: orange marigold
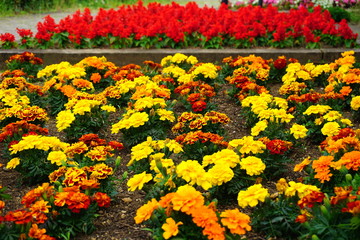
x: 236, y: 221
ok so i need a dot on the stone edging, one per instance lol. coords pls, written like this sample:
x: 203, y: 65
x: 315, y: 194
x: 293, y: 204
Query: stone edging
x: 137, y: 56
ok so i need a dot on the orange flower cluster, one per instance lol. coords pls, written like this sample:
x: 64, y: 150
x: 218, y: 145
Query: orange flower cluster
x: 198, y: 94
x: 20, y: 84
x: 25, y: 57
x: 21, y: 127
x: 128, y: 72
x: 192, y: 137
x: 189, y: 121
x: 310, y: 199
x: 191, y: 202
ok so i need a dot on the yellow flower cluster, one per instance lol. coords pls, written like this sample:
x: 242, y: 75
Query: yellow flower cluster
x: 40, y: 142
x: 247, y: 145
x: 135, y: 120
x: 252, y: 196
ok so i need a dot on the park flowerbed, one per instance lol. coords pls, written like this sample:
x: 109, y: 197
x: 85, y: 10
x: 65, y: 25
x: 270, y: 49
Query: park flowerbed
x: 176, y: 26
x: 199, y: 182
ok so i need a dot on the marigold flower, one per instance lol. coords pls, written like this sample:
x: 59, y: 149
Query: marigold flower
x: 298, y: 131
x: 102, y: 199
x: 198, y: 106
x: 281, y: 185
x: 252, y: 196
x: 300, y: 189
x: 355, y: 103
x: 18, y: 217
x: 186, y: 199
x: 299, y: 167
x: 330, y: 129
x: 100, y: 171
x: 135, y: 120
x: 310, y: 199
x: 236, y: 221
x: 36, y: 232
x: 220, y: 174
x: 145, y: 211
x: 57, y: 157
x: 170, y: 228
x: 259, y: 127
x: 64, y: 119
x: 138, y: 181
x: 252, y: 165
x: 224, y: 157
x: 13, y: 163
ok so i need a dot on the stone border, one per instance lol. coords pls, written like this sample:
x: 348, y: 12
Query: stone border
x: 137, y: 56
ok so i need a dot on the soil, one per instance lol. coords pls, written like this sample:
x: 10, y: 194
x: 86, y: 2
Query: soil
x: 117, y: 221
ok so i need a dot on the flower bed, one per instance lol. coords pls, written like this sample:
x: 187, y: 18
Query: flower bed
x: 181, y: 155
x: 176, y: 26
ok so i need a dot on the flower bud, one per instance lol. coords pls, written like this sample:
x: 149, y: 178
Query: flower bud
x: 348, y: 178
x: 325, y: 211
x: 315, y: 237
x: 118, y: 161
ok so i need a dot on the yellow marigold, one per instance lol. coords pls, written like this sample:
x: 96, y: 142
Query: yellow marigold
x: 166, y: 115
x: 252, y: 196
x: 346, y: 121
x: 252, y: 165
x: 170, y: 228
x: 145, y: 211
x: 84, y: 105
x: 248, y: 145
x: 224, y: 157
x: 300, y: 189
x: 259, y: 127
x: 57, y: 157
x: 40, y: 142
x: 355, y: 103
x: 192, y: 172
x: 135, y: 120
x: 208, y: 70
x: 178, y: 58
x: 332, y: 115
x: 317, y: 109
x: 108, y: 108
x: 13, y: 163
x: 140, y: 151
x: 186, y: 78
x: 220, y: 174
x: 281, y: 185
x: 173, y: 146
x: 138, y: 181
x: 173, y: 71
x: 330, y: 129
x: 236, y: 221
x: 187, y: 198
x: 298, y: 131
x: 192, y: 60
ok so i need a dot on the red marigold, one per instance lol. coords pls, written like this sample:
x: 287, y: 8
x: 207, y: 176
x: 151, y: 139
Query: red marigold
x: 18, y: 216
x: 102, y: 199
x: 198, y: 106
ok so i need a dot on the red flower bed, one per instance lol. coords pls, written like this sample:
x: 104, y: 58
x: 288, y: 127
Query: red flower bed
x: 176, y: 26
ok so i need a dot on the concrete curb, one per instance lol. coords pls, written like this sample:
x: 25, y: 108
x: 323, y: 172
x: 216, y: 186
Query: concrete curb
x: 137, y: 56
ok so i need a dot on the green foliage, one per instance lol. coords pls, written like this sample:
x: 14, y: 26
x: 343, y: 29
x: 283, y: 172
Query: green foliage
x: 276, y: 218
x: 67, y: 224
x: 338, y: 13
